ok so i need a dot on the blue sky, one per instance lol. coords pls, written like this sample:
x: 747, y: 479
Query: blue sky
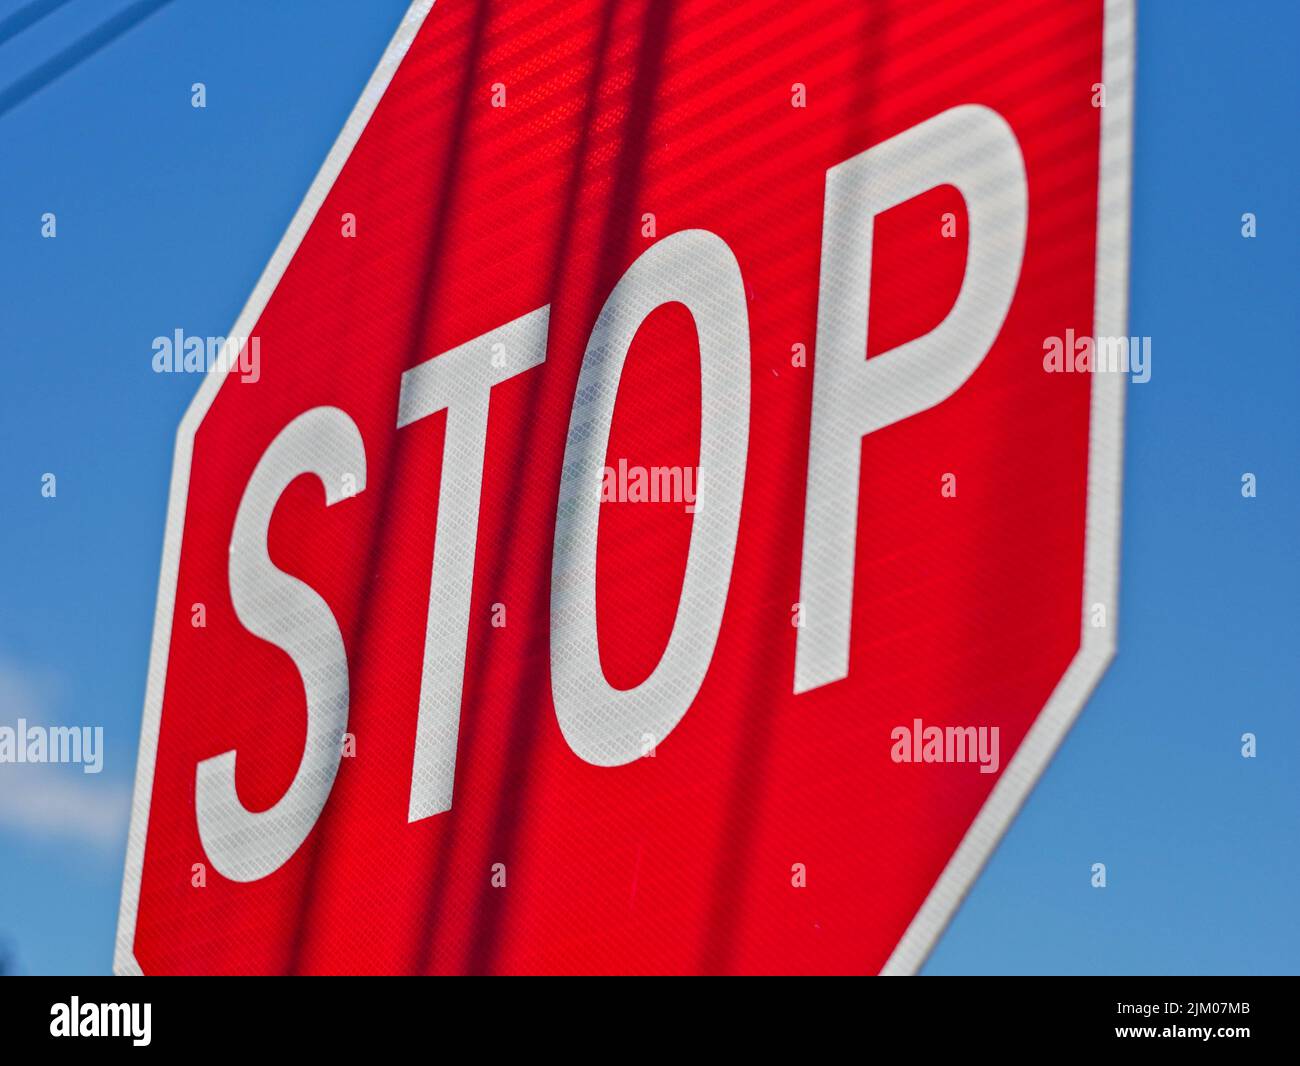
x: 166, y: 217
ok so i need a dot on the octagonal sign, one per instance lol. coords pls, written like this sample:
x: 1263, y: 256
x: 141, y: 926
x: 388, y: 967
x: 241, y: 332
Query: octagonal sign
x: 658, y: 511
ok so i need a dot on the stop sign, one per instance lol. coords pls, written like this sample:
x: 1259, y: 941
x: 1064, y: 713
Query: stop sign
x: 633, y: 525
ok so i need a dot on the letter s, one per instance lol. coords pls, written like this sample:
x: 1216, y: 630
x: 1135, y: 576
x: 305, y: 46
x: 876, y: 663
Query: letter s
x: 247, y: 845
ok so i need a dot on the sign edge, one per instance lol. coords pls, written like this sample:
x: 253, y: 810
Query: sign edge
x: 124, y: 960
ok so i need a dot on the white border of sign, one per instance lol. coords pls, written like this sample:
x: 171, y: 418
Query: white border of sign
x: 1101, y: 554
x: 1101, y: 548
x: 124, y: 961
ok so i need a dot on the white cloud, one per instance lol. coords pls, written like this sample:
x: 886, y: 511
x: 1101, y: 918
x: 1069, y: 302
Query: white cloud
x: 47, y: 802
x: 51, y: 802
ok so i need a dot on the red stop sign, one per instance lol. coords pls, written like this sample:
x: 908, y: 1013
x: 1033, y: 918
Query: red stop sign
x: 635, y: 525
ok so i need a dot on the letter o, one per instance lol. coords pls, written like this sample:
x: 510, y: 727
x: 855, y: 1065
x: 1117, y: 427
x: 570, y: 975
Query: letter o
x: 604, y: 725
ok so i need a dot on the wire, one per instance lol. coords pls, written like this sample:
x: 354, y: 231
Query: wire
x: 74, y: 54
x: 26, y: 16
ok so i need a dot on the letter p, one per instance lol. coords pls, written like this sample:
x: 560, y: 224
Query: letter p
x: 973, y: 148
